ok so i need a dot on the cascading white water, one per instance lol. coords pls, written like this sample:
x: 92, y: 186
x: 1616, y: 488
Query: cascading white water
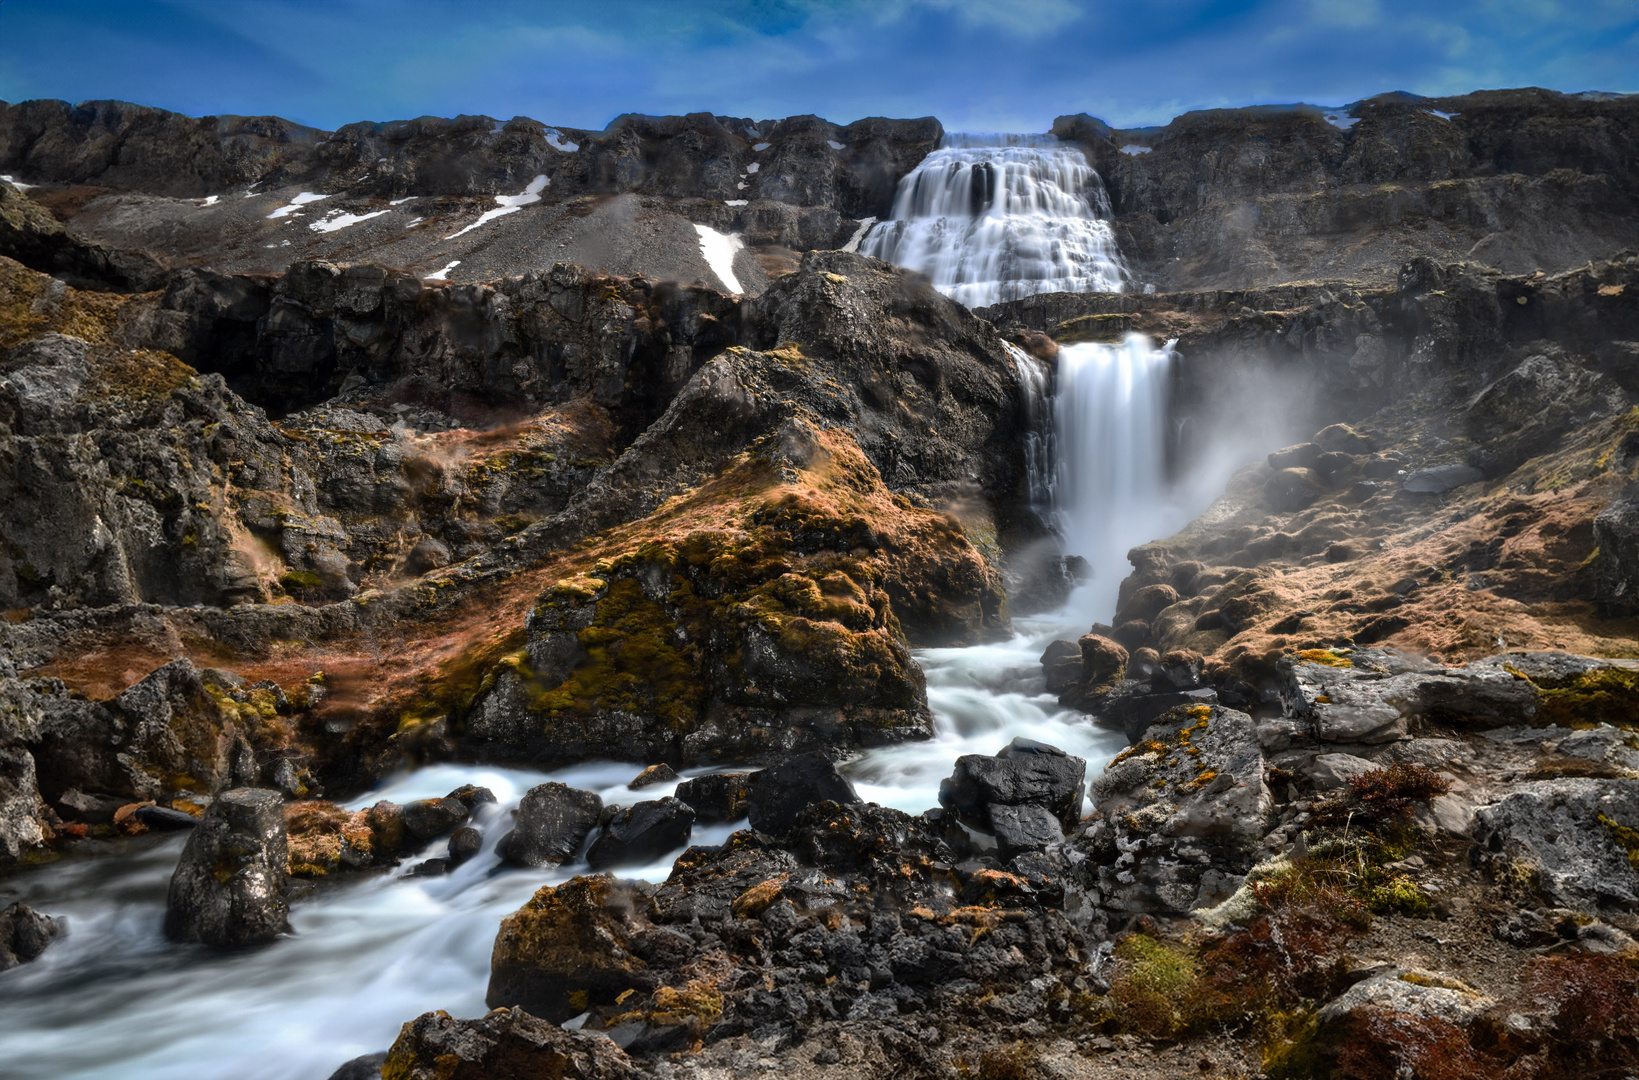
x: 1110, y: 484
x: 993, y: 218
x: 115, y: 999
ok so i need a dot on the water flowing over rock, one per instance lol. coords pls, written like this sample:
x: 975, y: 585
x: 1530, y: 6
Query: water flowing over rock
x: 996, y: 218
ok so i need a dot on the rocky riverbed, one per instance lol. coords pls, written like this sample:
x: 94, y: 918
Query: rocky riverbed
x: 692, y: 674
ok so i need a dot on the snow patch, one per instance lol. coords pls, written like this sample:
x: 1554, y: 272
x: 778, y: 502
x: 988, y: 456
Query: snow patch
x: 833, y: 144
x: 1442, y: 115
x: 734, y: 202
x: 740, y: 186
x: 209, y: 200
x: 859, y: 234
x: 1136, y: 150
x: 1341, y: 121
x: 444, y: 274
x: 336, y: 223
x: 719, y: 250
x: 413, y: 222
x: 753, y: 167
x: 760, y: 147
x: 555, y: 139
x: 16, y: 183
x: 400, y: 202
x: 510, y: 204
x: 296, y: 204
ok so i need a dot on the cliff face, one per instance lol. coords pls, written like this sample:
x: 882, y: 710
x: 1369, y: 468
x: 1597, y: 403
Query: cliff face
x: 1521, y: 180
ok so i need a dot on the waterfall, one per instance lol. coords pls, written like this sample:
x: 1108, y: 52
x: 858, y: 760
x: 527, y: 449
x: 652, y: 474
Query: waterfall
x: 1035, y: 390
x: 1110, y: 435
x: 993, y: 218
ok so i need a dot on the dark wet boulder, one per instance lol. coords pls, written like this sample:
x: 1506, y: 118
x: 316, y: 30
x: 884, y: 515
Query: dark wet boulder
x: 428, y: 819
x: 163, y: 818
x: 1061, y: 665
x: 1023, y: 773
x: 229, y: 887
x: 718, y: 797
x: 465, y: 842
x: 1441, y: 479
x: 778, y: 795
x: 472, y: 797
x: 654, y: 774
x: 25, y: 934
x: 642, y: 832
x: 505, y: 1043
x: 553, y: 821
x: 1616, y: 531
x: 363, y: 1067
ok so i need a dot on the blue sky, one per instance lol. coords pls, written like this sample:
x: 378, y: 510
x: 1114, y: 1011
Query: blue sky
x: 976, y: 64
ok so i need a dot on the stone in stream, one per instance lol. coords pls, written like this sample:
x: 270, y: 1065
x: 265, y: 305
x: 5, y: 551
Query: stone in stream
x: 779, y: 794
x: 25, y: 934
x: 719, y: 797
x: 164, y: 819
x: 427, y: 819
x: 464, y: 844
x: 654, y: 774
x: 363, y: 1067
x: 553, y: 821
x: 642, y: 832
x: 229, y: 886
x: 1023, y: 773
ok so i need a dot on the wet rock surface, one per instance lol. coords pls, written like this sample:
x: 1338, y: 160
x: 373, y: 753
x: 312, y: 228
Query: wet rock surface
x: 25, y: 934
x: 229, y: 886
x: 553, y: 822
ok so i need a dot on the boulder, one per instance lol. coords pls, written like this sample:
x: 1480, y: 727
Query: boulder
x: 642, y: 833
x: 778, y: 795
x: 717, y: 797
x: 1301, y: 456
x: 229, y: 886
x: 1330, y: 772
x: 428, y: 819
x: 654, y: 774
x: 163, y: 818
x: 465, y: 842
x: 363, y: 1067
x: 1575, y: 840
x: 1372, y: 695
x: 504, y: 1043
x: 22, y: 813
x: 1291, y: 490
x: 1023, y: 773
x: 1181, y: 813
x: 1410, y: 993
x: 25, y: 934
x: 1061, y: 664
x: 553, y: 821
x: 567, y: 949
x: 1341, y: 438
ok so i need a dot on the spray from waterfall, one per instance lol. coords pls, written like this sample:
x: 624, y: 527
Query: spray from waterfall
x: 992, y: 218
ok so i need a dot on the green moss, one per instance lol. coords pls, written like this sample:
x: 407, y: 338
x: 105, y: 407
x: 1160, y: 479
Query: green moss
x: 293, y: 581
x: 1627, y: 839
x: 1607, y: 695
x: 1325, y: 656
x: 1156, y: 986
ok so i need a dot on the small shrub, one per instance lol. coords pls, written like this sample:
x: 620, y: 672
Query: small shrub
x: 1015, y: 1061
x: 1157, y: 987
x: 1384, y: 794
x: 1381, y: 1044
x: 1592, y: 997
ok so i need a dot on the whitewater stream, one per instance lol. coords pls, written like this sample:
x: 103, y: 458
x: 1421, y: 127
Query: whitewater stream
x: 113, y: 998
